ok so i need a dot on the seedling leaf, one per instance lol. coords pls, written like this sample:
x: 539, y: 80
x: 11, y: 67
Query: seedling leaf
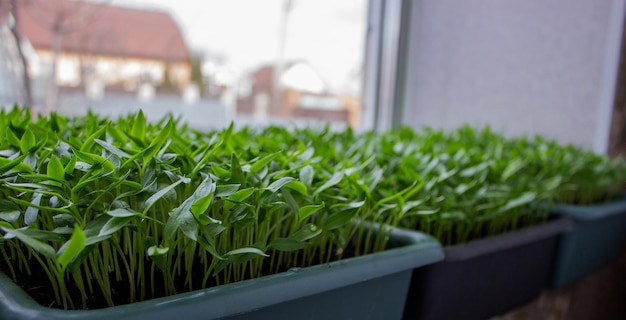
x: 72, y: 248
x: 246, y: 250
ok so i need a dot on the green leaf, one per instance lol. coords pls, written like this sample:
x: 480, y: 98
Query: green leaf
x: 297, y: 186
x: 31, y: 160
x: 157, y: 142
x: 513, y: 167
x: 114, y: 224
x: 10, y: 216
x: 307, y: 154
x: 221, y: 173
x: 85, y: 181
x: 12, y: 138
x: 338, y: 220
x: 335, y: 179
x: 212, y: 230
x: 55, y: 171
x: 293, y: 204
x: 63, y: 220
x: 552, y: 183
x: 30, y: 216
x: 62, y: 231
x: 204, y: 194
x: 94, y: 160
x: 69, y: 167
x: 263, y: 162
x: 72, y: 248
x: 202, y: 218
x: 306, y: 175
x: 287, y: 244
x: 44, y: 235
x: 30, y: 187
x: 28, y: 142
x: 246, y: 250
x: 138, y: 130
x: 89, y: 142
x: 6, y: 205
x: 158, y: 195
x: 199, y: 165
x: 210, y: 247
x: 415, y: 187
x: 347, y: 206
x: 75, y: 142
x: 241, y: 195
x: 36, y: 245
x: 132, y: 159
x: 6, y: 225
x: 523, y: 199
x: 472, y: 171
x: 236, y: 171
x: 307, y: 211
x: 157, y: 251
x: 157, y: 255
x: 308, y: 231
x: 122, y: 213
x: 463, y: 187
x: 30, y: 204
x: 279, y: 184
x: 374, y: 179
x: 17, y: 164
x: 422, y: 212
x: 116, y: 134
x: 453, y: 215
x: 226, y: 190
x: 181, y: 218
x: 113, y: 149
x: 8, y: 153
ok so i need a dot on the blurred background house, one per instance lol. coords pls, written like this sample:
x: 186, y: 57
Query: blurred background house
x: 299, y: 91
x: 116, y: 56
x: 98, y: 46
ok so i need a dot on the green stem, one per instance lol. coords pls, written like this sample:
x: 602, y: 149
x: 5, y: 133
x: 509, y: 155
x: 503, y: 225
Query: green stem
x: 129, y: 274
x: 51, y: 277
x: 9, y: 263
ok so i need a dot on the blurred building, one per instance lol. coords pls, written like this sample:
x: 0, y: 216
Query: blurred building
x: 102, y: 44
x: 302, y: 93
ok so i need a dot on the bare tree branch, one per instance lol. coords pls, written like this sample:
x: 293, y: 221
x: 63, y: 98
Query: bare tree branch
x: 15, y: 31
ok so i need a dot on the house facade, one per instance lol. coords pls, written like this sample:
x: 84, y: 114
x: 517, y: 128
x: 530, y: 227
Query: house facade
x: 104, y: 44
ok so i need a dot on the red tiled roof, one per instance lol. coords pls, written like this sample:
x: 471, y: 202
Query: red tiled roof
x: 102, y: 29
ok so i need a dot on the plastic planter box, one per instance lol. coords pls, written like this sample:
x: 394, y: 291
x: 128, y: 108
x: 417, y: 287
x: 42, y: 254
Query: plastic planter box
x: 486, y: 277
x: 596, y: 241
x: 367, y: 287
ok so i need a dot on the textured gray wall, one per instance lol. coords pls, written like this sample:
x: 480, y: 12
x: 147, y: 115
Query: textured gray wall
x: 523, y: 66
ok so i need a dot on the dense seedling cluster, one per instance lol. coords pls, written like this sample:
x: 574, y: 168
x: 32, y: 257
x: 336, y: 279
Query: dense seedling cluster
x: 479, y: 183
x: 95, y: 202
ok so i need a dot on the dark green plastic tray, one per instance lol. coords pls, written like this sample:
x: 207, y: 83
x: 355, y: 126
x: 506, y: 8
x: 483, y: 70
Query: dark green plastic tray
x: 367, y: 287
x: 486, y: 277
x: 596, y: 241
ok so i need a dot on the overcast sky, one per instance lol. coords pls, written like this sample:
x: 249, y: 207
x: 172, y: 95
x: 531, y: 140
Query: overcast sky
x: 329, y: 34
